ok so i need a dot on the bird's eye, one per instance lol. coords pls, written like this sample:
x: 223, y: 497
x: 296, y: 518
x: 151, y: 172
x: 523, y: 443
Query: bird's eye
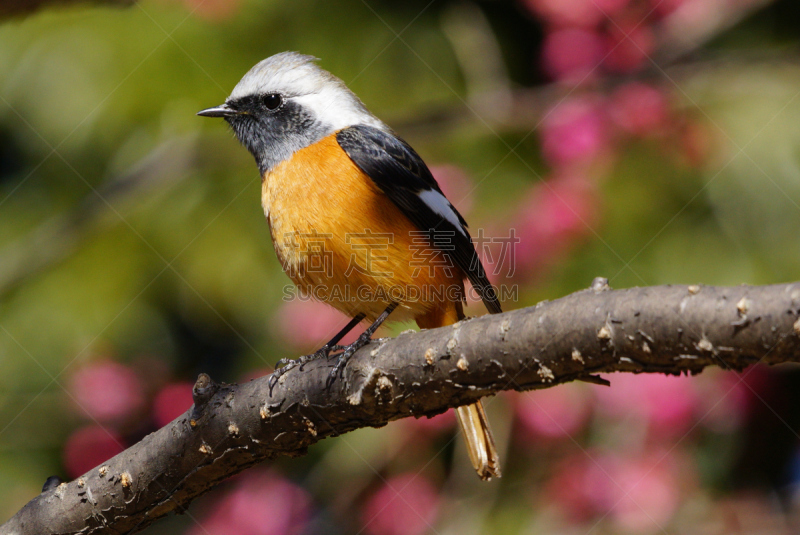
x: 272, y: 101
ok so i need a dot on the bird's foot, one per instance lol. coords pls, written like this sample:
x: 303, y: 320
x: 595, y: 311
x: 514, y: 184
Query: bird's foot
x: 346, y: 352
x: 284, y: 365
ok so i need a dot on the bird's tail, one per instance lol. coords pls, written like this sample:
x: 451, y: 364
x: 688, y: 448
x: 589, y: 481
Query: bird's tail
x: 471, y: 418
x: 480, y: 442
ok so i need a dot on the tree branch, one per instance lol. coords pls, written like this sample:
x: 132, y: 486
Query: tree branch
x: 669, y: 329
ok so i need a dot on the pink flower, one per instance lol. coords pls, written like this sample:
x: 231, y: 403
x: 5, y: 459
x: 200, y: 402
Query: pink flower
x: 690, y: 14
x: 260, y: 503
x: 572, y: 54
x: 575, y: 12
x: 404, y: 505
x: 666, y: 403
x: 554, y: 215
x: 88, y: 447
x: 306, y: 325
x: 107, y: 391
x: 579, y: 486
x: 172, y: 401
x: 629, y: 47
x: 724, y: 402
x: 558, y: 412
x: 639, y: 109
x: 638, y: 493
x: 213, y: 10
x: 575, y: 132
x: 567, y: 206
x: 666, y: 7
x: 645, y: 493
x: 456, y: 186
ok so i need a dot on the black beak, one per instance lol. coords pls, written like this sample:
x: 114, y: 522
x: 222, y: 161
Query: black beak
x: 219, y: 111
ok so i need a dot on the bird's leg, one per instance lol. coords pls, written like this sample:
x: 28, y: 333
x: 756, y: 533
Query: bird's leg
x: 325, y: 350
x: 284, y: 365
x: 361, y: 341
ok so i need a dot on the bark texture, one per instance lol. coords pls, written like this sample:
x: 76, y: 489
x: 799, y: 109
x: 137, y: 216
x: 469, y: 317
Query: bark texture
x: 666, y: 329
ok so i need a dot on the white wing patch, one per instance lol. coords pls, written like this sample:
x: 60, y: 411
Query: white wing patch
x: 439, y: 204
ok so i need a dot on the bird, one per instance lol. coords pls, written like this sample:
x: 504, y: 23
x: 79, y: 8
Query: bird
x: 356, y: 218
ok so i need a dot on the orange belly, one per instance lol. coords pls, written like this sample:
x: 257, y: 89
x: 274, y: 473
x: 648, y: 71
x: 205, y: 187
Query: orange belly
x: 341, y: 240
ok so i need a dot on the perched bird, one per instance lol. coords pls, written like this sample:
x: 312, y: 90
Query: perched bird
x: 356, y: 218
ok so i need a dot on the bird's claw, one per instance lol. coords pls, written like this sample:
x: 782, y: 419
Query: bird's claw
x: 346, y: 353
x: 342, y: 353
x: 318, y: 354
x: 284, y: 365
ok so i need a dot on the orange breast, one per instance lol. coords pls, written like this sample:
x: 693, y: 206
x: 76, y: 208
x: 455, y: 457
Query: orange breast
x: 341, y: 240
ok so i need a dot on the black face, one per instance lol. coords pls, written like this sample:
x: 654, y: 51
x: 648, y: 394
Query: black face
x: 272, y: 127
x: 258, y: 105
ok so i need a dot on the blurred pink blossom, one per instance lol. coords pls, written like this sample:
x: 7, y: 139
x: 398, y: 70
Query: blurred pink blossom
x: 456, y: 186
x: 575, y: 12
x: 629, y: 46
x: 260, y: 503
x: 666, y: 7
x: 107, y: 391
x: 88, y: 447
x: 171, y: 401
x: 645, y: 493
x: 572, y: 54
x: 553, y: 215
x: 306, y: 324
x: 404, y: 505
x: 575, y: 485
x: 639, y: 109
x: 724, y: 400
x: 666, y: 403
x: 692, y: 14
x: 638, y: 493
x: 575, y: 132
x: 558, y: 412
x: 213, y: 10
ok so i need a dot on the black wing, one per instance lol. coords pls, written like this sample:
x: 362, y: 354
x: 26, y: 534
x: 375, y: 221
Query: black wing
x: 402, y: 175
